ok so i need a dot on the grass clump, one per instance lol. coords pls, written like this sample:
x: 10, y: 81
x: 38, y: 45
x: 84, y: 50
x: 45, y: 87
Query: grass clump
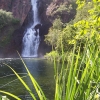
x: 79, y: 79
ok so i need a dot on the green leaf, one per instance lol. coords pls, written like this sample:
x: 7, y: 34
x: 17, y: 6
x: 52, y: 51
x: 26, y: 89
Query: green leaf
x: 22, y: 81
x: 35, y: 84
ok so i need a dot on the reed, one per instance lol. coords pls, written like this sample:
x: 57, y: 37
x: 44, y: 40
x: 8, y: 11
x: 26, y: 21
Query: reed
x: 79, y: 79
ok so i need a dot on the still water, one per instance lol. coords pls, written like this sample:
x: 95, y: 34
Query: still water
x: 42, y: 70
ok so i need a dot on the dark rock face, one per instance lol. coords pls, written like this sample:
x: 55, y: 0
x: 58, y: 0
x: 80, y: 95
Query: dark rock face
x: 52, y: 11
x: 19, y: 8
x: 43, y: 47
x: 43, y: 27
x: 22, y: 10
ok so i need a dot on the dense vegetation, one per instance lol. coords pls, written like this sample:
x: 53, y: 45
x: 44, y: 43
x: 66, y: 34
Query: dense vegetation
x: 84, y: 27
x: 7, y: 26
x: 78, y: 44
x: 7, y: 18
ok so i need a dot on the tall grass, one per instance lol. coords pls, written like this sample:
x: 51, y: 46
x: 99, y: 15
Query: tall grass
x: 79, y: 79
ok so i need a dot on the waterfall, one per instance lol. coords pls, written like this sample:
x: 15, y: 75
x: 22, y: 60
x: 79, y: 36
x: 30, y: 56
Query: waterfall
x: 31, y: 38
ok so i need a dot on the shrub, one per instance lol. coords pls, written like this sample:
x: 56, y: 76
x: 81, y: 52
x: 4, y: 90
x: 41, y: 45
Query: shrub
x: 7, y: 18
x: 8, y: 22
x: 63, y: 9
x: 54, y: 32
x: 52, y: 55
x: 80, y: 30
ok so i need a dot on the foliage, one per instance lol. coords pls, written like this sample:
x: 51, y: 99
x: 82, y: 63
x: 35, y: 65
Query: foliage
x: 82, y: 28
x: 5, y: 39
x: 89, y: 29
x: 79, y: 79
x: 52, y: 55
x: 61, y: 38
x: 7, y: 18
x: 54, y: 33
x: 82, y: 13
x: 62, y: 9
x: 57, y: 24
x: 8, y: 22
x: 67, y: 34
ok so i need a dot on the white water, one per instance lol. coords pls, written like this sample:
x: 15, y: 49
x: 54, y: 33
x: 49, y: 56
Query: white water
x: 31, y: 37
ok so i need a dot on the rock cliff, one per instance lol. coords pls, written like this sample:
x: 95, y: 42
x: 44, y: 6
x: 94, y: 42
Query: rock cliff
x: 62, y: 9
x: 21, y: 9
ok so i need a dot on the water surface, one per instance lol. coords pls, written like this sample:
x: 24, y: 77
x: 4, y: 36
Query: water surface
x: 42, y: 70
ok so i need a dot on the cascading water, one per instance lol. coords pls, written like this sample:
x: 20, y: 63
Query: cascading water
x: 31, y: 38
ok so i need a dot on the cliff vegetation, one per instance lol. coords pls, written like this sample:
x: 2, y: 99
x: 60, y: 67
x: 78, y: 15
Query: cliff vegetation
x: 7, y: 26
x: 84, y: 29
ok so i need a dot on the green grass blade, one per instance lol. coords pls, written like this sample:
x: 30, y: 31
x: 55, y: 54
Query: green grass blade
x: 22, y: 81
x: 10, y: 94
x: 75, y: 75
x: 35, y: 84
x: 71, y: 68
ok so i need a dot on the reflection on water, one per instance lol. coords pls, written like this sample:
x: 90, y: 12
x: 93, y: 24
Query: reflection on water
x: 42, y: 71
